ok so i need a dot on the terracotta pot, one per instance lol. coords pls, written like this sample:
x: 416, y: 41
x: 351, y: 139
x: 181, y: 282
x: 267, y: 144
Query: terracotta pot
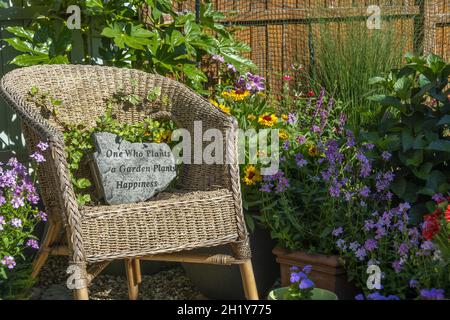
x: 327, y: 272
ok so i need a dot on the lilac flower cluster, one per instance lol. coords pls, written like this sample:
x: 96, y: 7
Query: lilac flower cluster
x: 432, y: 294
x: 300, y: 278
x: 18, y: 194
x: 376, y: 296
x: 277, y: 182
x: 251, y: 82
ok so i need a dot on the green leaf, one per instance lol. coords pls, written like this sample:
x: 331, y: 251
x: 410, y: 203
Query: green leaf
x: 154, y: 93
x: 26, y: 60
x: 407, y: 140
x: 424, y: 171
x: 440, y: 145
x: 194, y: 73
x: 444, y: 120
x: 23, y: 46
x: 399, y: 187
x: 377, y: 80
x: 21, y: 32
x: 403, y: 87
x: 388, y: 101
x: 435, y: 62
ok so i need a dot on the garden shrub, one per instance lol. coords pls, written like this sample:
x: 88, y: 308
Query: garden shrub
x: 415, y: 129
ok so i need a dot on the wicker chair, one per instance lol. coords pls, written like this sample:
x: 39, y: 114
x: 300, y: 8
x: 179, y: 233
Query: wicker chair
x: 203, y: 210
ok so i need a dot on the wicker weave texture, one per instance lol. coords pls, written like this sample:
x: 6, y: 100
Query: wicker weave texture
x: 205, y: 210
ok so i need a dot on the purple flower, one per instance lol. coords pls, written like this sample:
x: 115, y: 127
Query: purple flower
x: 386, y: 156
x: 9, y: 262
x: 251, y: 82
x: 369, y: 225
x: 306, y: 284
x: 39, y: 158
x: 403, y: 249
x: 218, y: 58
x: 2, y: 222
x: 366, y: 167
x: 432, y: 294
x: 402, y: 207
x: 364, y: 192
x: 307, y: 269
x: 335, y: 190
x: 297, y: 276
x: 380, y: 233
x: 41, y: 215
x: 361, y: 253
x: 17, y: 202
x: 397, y: 265
x: 300, y: 161
x: 354, y: 246
x: 337, y: 232
x: 315, y: 129
x: 369, y: 146
x: 370, y: 244
x: 16, y: 222
x: 294, y: 268
x: 42, y: 146
x: 359, y: 296
x: 286, y: 145
x: 292, y: 118
x: 231, y: 67
x: 427, y: 246
x: 413, y: 283
x: 438, y: 197
x: 267, y: 188
x: 340, y: 243
x: 32, y: 243
x: 300, y: 140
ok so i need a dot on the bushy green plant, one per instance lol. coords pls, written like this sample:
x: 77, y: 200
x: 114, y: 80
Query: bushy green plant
x: 142, y: 34
x: 415, y: 128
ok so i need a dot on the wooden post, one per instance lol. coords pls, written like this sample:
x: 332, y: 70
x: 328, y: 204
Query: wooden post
x: 81, y: 294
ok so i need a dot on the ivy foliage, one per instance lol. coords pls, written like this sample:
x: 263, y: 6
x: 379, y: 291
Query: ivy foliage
x: 78, y: 136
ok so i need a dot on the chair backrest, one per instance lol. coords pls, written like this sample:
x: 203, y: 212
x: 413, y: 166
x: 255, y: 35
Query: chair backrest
x: 85, y: 91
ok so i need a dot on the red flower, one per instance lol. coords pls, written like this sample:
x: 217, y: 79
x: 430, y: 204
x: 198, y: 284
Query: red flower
x: 447, y: 213
x: 310, y: 94
x: 431, y: 227
x: 287, y: 78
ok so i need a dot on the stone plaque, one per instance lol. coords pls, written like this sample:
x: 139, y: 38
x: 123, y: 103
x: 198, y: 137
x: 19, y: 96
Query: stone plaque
x: 131, y: 172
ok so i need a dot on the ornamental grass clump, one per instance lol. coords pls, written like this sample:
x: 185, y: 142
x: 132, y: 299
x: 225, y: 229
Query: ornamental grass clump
x: 19, y: 212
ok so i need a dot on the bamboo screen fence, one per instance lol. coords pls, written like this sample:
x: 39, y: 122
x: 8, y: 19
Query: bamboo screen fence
x: 283, y: 32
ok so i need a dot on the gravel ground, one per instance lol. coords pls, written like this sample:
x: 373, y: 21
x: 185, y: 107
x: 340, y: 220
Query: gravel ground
x: 170, y: 284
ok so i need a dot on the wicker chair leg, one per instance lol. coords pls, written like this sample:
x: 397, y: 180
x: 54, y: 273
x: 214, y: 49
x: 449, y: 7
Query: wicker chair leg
x: 248, y: 280
x: 42, y: 255
x: 137, y: 271
x: 133, y: 286
x: 81, y: 294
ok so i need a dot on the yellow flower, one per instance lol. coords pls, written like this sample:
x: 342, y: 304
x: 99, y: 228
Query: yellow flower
x: 221, y: 106
x: 312, y: 151
x: 252, y: 175
x: 268, y: 120
x: 284, y: 117
x: 251, y: 117
x: 283, y: 135
x: 235, y: 95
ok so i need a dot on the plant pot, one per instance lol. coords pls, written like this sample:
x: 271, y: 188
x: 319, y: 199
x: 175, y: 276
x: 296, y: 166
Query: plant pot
x: 317, y: 294
x: 327, y: 271
x: 224, y: 282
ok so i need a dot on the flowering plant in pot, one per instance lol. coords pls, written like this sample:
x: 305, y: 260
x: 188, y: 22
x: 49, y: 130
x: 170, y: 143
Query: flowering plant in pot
x: 326, y: 178
x: 301, y: 288
x: 19, y: 215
